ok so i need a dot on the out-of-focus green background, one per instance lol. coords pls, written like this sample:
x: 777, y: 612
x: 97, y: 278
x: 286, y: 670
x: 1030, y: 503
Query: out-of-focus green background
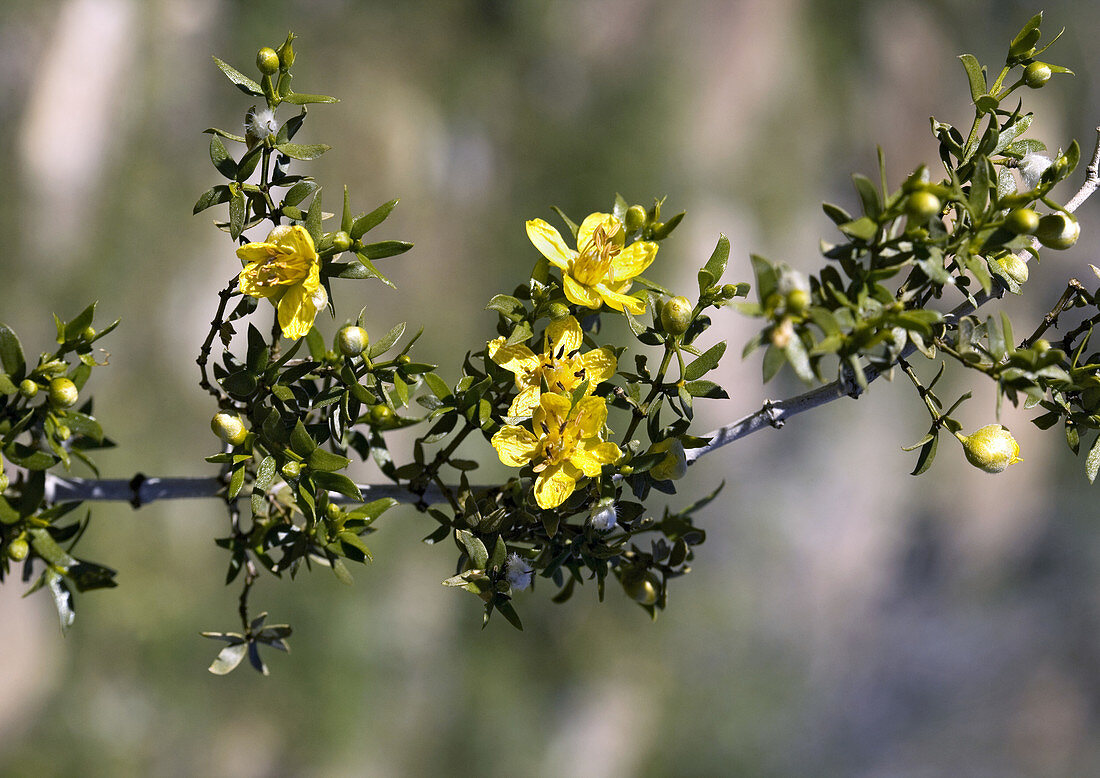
x: 844, y: 618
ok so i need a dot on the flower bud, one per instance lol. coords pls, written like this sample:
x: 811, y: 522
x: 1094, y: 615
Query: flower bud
x: 63, y: 393
x: 635, y: 217
x: 28, y: 388
x: 381, y: 415
x: 674, y: 465
x: 229, y: 428
x: 603, y: 515
x: 1014, y: 267
x: 1058, y: 230
x: 644, y: 588
x: 291, y: 470
x: 267, y: 61
x: 992, y: 448
x: 286, y: 53
x: 18, y: 549
x: 676, y: 315
x: 558, y: 311
x: 1022, y: 221
x: 1037, y: 74
x: 352, y: 340
x: 922, y: 206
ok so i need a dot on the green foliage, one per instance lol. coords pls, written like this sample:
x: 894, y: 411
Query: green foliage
x: 592, y: 421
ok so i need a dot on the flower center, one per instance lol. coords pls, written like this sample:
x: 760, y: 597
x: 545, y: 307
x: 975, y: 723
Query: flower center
x: 282, y: 266
x: 594, y: 260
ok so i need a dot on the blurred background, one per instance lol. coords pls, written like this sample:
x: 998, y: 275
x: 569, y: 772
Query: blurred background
x: 843, y: 618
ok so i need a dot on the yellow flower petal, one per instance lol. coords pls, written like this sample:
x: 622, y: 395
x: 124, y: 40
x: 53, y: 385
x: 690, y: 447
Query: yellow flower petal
x: 590, y: 415
x: 518, y: 359
x: 563, y: 337
x: 514, y: 445
x: 599, y: 365
x: 549, y: 243
x: 631, y: 261
x: 591, y: 455
x: 581, y: 295
x: 526, y: 401
x: 554, y: 485
x: 296, y: 238
x: 257, y: 252
x: 616, y: 300
x: 612, y: 228
x: 555, y: 406
x: 298, y: 308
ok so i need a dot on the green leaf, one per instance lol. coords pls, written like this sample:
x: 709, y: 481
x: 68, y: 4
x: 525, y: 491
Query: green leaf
x: 298, y: 98
x: 1092, y: 461
x: 242, y: 82
x: 868, y: 196
x: 85, y: 425
x: 509, y: 613
x: 11, y: 354
x: 303, y: 151
x: 215, y: 195
x: 712, y: 272
x: 236, y: 212
x: 228, y: 658
x: 236, y: 480
x: 221, y: 159
x: 475, y: 549
x: 975, y: 74
x: 386, y: 248
x: 312, y: 221
x: 863, y: 228
x: 224, y: 134
x: 371, y: 271
x: 387, y: 341
x: 301, y: 441
x: 366, y: 223
x: 926, y: 456
x: 326, y: 461
x: 705, y: 363
x: 300, y: 191
x: 1026, y: 39
x: 337, y: 482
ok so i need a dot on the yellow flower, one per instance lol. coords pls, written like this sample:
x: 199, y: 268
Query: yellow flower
x: 561, y: 364
x: 568, y: 446
x: 602, y: 269
x: 285, y: 268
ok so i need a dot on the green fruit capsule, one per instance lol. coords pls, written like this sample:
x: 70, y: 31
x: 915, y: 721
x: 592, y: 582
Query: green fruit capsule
x: 1022, y: 221
x: 229, y: 428
x: 341, y: 241
x: 644, y: 589
x: 922, y: 206
x: 63, y: 393
x: 267, y: 61
x: 676, y: 315
x: 1037, y: 74
x: 28, y: 388
x: 18, y: 549
x: 1058, y: 230
x: 992, y: 448
x: 352, y: 340
x: 635, y: 217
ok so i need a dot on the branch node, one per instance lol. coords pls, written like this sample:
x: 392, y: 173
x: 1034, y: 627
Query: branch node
x: 771, y: 413
x: 135, y: 487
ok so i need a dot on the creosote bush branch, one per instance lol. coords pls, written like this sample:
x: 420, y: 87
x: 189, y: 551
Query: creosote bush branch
x: 590, y: 422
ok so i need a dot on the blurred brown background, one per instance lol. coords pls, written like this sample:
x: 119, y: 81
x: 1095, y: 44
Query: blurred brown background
x: 844, y: 618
